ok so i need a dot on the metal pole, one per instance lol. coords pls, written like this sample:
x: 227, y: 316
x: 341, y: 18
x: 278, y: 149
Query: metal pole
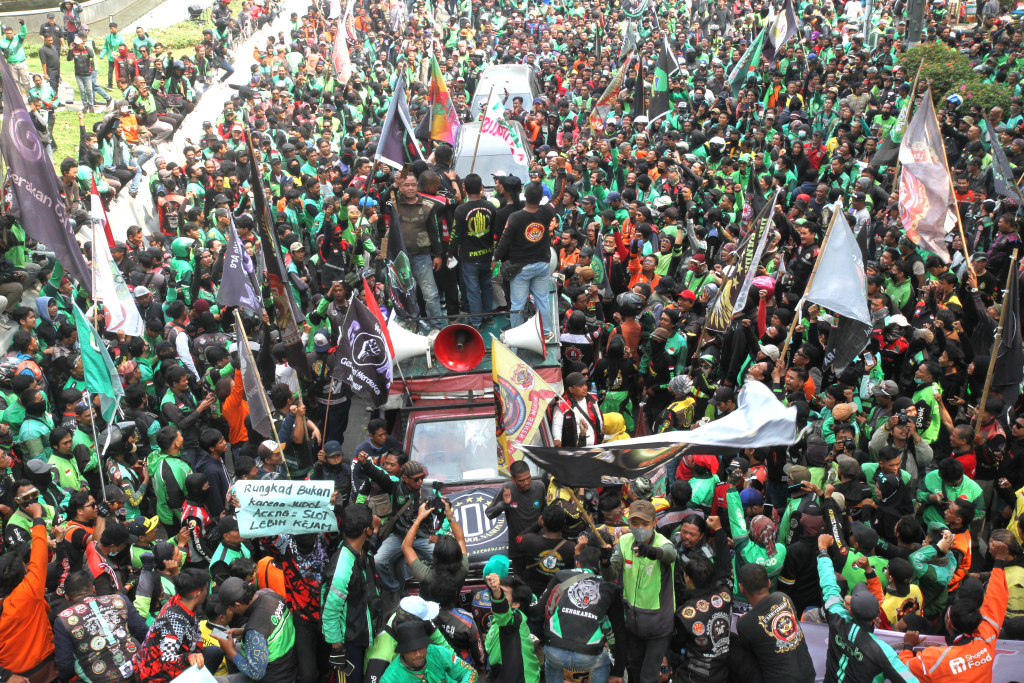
x: 96, y: 444
x: 480, y: 132
x: 997, y: 341
x: 240, y: 340
x: 796, y: 317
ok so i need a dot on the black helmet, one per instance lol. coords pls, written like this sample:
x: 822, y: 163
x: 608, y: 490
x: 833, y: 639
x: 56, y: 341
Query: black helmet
x: 121, y: 435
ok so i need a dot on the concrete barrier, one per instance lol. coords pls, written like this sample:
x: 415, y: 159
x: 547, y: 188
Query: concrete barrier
x: 97, y: 14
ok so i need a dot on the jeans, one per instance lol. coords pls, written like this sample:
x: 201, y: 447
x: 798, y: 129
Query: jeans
x: 98, y: 89
x: 228, y: 70
x: 532, y: 279
x: 390, y: 551
x: 85, y: 90
x: 476, y: 282
x: 423, y: 273
x: 556, y: 659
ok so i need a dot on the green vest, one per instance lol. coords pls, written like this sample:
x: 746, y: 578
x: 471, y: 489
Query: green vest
x: 1015, y: 584
x: 68, y: 475
x: 22, y: 521
x: 647, y: 590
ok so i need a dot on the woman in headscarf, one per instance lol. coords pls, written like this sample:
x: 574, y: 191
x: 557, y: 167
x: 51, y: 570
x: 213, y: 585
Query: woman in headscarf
x: 614, y: 427
x: 196, y: 518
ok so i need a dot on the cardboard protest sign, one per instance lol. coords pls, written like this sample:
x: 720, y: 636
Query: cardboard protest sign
x: 269, y: 508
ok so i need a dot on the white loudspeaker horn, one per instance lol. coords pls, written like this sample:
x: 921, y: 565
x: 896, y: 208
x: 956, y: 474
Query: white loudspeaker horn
x: 408, y: 344
x: 529, y: 335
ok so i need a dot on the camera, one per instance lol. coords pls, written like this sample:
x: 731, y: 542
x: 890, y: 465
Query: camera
x: 436, y: 503
x: 849, y: 445
x: 902, y: 417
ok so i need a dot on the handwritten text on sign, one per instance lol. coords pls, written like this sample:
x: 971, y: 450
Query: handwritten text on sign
x: 269, y: 508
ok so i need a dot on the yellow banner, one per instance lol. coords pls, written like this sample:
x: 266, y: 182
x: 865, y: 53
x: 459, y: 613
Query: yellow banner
x: 520, y: 397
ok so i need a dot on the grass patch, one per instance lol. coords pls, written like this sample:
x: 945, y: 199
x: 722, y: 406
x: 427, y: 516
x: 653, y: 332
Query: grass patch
x: 178, y: 39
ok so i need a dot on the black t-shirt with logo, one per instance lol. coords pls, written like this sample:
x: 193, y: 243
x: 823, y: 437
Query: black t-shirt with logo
x: 771, y: 632
x: 527, y: 237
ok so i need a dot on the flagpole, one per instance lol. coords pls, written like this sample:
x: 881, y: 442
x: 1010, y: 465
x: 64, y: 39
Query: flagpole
x: 240, y: 339
x: 480, y: 132
x: 998, y: 339
x: 810, y: 280
x: 96, y: 441
x: 910, y: 113
x: 952, y: 189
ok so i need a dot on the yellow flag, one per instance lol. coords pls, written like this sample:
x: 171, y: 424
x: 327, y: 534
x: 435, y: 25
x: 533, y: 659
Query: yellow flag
x: 521, y: 397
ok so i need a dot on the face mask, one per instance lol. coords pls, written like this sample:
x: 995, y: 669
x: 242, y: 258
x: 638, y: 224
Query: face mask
x: 642, y: 535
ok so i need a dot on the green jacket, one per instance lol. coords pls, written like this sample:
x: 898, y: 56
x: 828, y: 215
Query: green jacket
x: 932, y: 483
x: 111, y: 44
x: 932, y: 574
x: 14, y: 49
x: 505, y: 618
x: 161, y: 467
x: 442, y: 665
x: 745, y: 551
x: 925, y: 397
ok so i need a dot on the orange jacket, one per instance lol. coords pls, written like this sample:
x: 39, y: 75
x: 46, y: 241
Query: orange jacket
x: 235, y: 410
x: 636, y: 272
x: 26, y: 637
x: 962, y: 546
x: 970, y: 659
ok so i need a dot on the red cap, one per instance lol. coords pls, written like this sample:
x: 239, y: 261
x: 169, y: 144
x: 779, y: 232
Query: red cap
x: 687, y: 294
x: 697, y: 257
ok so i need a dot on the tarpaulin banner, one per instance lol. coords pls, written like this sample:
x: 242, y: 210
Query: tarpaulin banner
x: 597, y: 466
x: 270, y: 508
x: 522, y: 400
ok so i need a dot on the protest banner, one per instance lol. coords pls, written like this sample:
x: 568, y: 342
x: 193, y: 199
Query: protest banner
x: 269, y: 508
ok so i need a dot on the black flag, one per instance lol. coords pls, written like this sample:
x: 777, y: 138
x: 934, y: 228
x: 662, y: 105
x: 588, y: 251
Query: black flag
x: 398, y: 270
x: 1002, y: 174
x: 364, y: 362
x: 1009, y: 366
x: 639, y: 108
x: 661, y: 103
x: 37, y: 203
x: 603, y: 466
x: 238, y: 284
x: 287, y: 314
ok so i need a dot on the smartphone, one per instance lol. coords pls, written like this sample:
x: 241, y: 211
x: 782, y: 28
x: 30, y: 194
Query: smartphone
x: 795, y: 488
x: 219, y: 631
x: 869, y: 358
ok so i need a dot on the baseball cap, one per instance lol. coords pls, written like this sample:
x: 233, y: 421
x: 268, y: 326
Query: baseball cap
x: 642, y: 509
x: 231, y: 591
x: 297, y: 246
x: 420, y: 608
x: 770, y: 350
x: 848, y: 465
x: 751, y: 497
x: 797, y: 474
x: 321, y: 342
x: 140, y: 526
x: 886, y: 388
x: 722, y: 394
x: 332, y: 448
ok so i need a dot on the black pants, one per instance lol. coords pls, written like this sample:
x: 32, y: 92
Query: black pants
x: 311, y: 650
x: 644, y: 658
x: 448, y: 285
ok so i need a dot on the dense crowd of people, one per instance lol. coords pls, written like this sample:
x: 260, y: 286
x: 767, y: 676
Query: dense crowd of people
x: 898, y: 508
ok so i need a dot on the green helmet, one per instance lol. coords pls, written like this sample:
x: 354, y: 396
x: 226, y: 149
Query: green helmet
x: 181, y: 248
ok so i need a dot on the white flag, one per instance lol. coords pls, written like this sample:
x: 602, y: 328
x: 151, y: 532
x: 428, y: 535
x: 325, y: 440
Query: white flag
x: 843, y: 289
x: 119, y: 309
x: 495, y: 125
x: 759, y: 420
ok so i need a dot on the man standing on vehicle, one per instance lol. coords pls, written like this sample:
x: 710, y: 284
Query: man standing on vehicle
x: 405, y: 501
x: 522, y: 502
x: 418, y: 220
x: 526, y: 245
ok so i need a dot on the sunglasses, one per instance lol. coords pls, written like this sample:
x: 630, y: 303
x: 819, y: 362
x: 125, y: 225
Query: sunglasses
x: 418, y: 477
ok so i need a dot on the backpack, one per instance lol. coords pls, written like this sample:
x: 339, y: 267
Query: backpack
x: 8, y: 369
